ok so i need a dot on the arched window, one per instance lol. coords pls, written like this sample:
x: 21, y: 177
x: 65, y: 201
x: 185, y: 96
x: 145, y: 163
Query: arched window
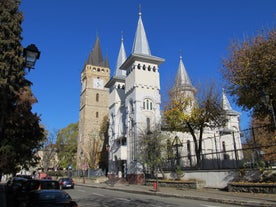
x: 97, y: 97
x: 97, y: 114
x: 147, y: 104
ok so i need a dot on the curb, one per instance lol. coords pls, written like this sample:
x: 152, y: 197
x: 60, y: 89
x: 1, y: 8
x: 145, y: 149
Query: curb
x: 216, y: 200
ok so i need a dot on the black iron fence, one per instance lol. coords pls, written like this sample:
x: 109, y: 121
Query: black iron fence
x: 257, y: 149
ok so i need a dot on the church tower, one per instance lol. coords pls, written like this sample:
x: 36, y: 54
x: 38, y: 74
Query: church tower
x: 183, y: 82
x: 142, y: 97
x: 117, y: 128
x: 93, y: 107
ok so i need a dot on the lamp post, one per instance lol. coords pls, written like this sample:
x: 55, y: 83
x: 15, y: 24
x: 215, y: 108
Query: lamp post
x: 31, y: 54
x: 177, y: 143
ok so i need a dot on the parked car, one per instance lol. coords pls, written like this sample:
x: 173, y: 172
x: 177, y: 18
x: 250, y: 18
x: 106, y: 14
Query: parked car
x: 39, y: 184
x: 66, y: 183
x: 53, y: 198
x: 15, y: 189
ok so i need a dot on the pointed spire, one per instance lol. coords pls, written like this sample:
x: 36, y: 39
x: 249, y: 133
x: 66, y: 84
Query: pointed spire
x: 121, y: 59
x: 225, y: 102
x: 140, y: 44
x: 182, y: 79
x: 95, y: 56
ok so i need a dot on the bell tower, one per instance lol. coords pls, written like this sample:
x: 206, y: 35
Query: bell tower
x: 93, y: 107
x: 142, y: 97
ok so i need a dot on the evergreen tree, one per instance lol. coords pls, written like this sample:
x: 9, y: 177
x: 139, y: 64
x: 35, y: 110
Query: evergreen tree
x: 20, y: 131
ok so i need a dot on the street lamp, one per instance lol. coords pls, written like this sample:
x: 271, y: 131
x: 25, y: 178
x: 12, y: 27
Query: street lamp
x: 177, y: 143
x: 31, y: 54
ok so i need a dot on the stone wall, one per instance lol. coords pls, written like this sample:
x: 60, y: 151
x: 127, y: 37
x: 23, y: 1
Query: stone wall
x: 252, y: 187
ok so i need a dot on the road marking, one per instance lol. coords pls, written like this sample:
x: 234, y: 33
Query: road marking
x: 123, y: 199
x: 82, y: 190
x: 208, y: 205
x: 97, y: 194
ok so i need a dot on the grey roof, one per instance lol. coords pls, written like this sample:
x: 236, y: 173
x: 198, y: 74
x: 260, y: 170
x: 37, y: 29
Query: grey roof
x: 140, y: 44
x: 96, y: 57
x: 182, y: 79
x: 226, y: 104
x: 120, y: 60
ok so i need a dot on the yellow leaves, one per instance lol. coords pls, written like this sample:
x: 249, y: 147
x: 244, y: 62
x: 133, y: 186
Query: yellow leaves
x: 179, y: 113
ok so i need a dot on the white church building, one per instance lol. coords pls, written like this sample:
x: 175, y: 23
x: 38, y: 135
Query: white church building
x: 134, y: 105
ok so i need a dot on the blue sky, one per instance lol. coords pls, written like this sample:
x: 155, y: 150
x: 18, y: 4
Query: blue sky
x: 65, y: 32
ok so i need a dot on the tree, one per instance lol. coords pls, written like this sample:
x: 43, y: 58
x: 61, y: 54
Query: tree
x: 98, y: 146
x: 105, y: 147
x: 66, y: 145
x: 20, y: 130
x: 264, y: 140
x: 194, y: 116
x: 48, y: 153
x: 250, y: 73
x: 152, y: 146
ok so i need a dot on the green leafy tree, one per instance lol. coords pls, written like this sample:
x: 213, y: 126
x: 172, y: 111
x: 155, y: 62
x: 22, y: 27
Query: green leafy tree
x: 194, y: 116
x: 151, y: 151
x: 20, y: 130
x: 66, y: 145
x: 250, y: 73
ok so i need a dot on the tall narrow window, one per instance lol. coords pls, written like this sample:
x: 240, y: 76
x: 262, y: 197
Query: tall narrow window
x: 189, y: 152
x: 189, y: 147
x: 225, y: 155
x: 223, y: 147
x: 97, y: 114
x: 97, y: 97
x: 148, y: 125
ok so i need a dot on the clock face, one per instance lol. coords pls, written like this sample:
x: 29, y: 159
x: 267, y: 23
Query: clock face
x: 98, y: 83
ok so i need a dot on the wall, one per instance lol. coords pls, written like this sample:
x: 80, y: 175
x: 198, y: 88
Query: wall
x: 212, y: 178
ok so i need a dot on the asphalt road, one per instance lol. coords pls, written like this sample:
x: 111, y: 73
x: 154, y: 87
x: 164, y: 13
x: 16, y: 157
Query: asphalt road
x: 96, y: 197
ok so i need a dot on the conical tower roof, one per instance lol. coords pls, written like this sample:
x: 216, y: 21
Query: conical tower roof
x: 120, y: 60
x: 226, y: 104
x: 96, y: 57
x: 182, y: 80
x: 140, y: 44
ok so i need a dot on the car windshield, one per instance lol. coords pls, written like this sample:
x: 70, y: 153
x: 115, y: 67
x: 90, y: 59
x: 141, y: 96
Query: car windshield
x: 49, y: 185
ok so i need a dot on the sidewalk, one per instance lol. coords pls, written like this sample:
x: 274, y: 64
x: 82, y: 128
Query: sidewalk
x: 213, y: 195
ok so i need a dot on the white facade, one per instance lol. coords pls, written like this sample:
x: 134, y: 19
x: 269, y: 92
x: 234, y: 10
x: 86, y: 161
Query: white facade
x: 134, y: 108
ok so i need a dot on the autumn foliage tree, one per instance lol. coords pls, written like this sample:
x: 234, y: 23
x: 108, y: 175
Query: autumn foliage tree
x: 265, y: 140
x: 250, y: 73
x: 186, y: 114
x: 20, y: 130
